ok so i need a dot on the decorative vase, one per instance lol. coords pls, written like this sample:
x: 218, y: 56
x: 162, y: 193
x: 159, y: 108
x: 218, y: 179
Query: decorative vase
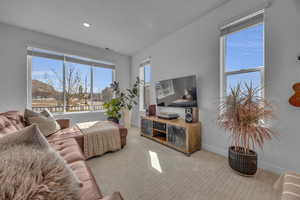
x: 243, y: 163
x: 127, y: 118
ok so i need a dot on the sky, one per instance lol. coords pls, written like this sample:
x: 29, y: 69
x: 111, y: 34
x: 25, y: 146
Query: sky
x: 243, y: 50
x: 147, y: 74
x: 50, y: 71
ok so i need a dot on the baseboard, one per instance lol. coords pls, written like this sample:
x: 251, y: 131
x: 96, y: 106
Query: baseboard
x: 261, y: 163
x: 215, y: 149
x: 271, y: 167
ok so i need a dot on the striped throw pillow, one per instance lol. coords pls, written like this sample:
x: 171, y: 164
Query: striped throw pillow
x: 291, y: 186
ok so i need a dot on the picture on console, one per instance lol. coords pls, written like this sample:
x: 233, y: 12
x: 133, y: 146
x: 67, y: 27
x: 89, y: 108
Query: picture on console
x: 179, y: 92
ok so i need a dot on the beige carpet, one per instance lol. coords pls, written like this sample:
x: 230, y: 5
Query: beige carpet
x: 146, y: 170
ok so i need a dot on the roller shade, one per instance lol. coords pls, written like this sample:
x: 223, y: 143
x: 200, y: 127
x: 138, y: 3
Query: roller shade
x: 243, y: 23
x: 145, y: 62
x: 67, y: 58
x: 45, y: 55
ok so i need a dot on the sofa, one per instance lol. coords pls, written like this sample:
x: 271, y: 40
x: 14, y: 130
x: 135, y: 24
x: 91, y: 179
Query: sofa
x: 68, y: 131
x: 68, y: 143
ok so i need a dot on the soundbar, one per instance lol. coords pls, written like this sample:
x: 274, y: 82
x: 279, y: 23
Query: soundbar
x: 167, y: 115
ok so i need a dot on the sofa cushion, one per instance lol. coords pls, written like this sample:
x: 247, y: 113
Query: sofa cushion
x: 81, y: 170
x: 44, y: 120
x: 65, y: 133
x: 89, y: 191
x: 6, y: 126
x: 68, y: 149
x: 16, y: 118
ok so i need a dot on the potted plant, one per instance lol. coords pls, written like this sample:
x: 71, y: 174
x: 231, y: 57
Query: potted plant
x: 112, y: 110
x: 123, y: 102
x: 244, y: 114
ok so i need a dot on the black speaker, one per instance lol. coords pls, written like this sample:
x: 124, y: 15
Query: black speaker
x: 191, y: 115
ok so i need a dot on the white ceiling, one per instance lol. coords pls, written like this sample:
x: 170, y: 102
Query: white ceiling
x: 125, y: 26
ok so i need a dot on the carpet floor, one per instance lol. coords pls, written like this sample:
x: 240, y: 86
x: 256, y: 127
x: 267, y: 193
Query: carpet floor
x: 146, y: 170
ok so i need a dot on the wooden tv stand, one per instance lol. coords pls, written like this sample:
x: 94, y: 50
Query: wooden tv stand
x: 176, y: 133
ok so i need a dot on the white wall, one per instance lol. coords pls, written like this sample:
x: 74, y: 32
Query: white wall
x: 13, y: 67
x: 195, y: 50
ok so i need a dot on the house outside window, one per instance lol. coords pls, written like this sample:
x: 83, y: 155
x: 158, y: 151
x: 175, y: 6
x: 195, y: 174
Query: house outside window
x: 145, y: 77
x: 64, y: 83
x: 242, y: 54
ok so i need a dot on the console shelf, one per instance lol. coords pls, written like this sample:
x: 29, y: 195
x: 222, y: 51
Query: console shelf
x: 161, y: 131
x: 177, y: 134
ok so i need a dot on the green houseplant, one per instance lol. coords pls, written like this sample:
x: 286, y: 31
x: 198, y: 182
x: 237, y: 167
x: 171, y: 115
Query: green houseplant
x: 244, y: 114
x: 124, y: 101
x: 127, y: 96
x: 112, y: 110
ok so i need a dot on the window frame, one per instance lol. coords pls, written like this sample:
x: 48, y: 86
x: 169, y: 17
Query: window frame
x: 64, y: 68
x: 224, y: 74
x: 147, y: 62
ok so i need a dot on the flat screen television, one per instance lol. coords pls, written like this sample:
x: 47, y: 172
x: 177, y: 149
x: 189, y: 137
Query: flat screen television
x: 177, y: 92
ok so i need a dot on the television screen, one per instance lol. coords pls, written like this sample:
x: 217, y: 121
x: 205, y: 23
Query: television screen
x: 178, y: 92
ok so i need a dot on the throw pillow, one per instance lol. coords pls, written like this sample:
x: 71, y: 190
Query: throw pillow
x: 29, y: 173
x: 47, y: 113
x: 45, y: 121
x: 30, y: 136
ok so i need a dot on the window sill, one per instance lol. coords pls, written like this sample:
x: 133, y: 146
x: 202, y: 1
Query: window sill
x: 80, y: 112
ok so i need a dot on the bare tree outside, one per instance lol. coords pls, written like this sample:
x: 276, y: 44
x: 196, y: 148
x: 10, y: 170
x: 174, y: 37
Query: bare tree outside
x: 48, y: 92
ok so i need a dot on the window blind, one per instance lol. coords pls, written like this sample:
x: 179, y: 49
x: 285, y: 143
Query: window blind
x: 145, y: 62
x: 245, y: 22
x: 68, y: 58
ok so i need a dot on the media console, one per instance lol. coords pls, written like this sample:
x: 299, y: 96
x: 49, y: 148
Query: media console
x: 176, y: 133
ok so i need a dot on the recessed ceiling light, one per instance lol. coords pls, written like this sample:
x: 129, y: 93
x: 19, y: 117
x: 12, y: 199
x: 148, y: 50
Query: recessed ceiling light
x: 87, y: 25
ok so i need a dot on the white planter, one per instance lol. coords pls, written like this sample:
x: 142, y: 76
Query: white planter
x: 127, y: 118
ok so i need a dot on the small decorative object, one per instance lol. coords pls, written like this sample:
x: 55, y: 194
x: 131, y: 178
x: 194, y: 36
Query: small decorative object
x: 112, y: 110
x: 245, y: 114
x: 123, y: 102
x: 152, y: 110
x: 295, y: 99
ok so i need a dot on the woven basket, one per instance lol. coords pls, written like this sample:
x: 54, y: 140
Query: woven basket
x: 244, y: 164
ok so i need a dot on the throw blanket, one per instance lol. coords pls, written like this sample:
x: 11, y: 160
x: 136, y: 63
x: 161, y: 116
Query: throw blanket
x: 99, y: 137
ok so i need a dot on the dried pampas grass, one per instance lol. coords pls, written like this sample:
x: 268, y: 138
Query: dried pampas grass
x: 244, y: 114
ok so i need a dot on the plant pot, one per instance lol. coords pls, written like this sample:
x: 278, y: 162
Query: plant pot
x: 127, y: 118
x: 243, y: 163
x: 112, y: 119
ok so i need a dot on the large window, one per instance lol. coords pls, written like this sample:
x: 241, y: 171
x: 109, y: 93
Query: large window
x: 242, y: 52
x: 63, y: 83
x: 145, y: 87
